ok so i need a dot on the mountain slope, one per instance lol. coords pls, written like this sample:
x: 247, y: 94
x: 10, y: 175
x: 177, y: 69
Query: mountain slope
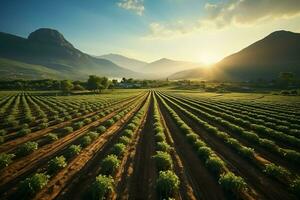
x: 165, y: 67
x: 48, y: 48
x: 266, y: 58
x: 128, y: 63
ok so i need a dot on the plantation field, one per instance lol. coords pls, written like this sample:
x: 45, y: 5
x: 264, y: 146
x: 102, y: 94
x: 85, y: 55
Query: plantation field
x: 149, y: 144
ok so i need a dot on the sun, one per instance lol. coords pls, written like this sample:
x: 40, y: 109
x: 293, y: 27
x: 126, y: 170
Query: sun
x: 209, y: 59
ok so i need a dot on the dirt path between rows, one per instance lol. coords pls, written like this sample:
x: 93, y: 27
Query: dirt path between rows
x: 203, y: 182
x: 265, y: 186
x: 142, y: 185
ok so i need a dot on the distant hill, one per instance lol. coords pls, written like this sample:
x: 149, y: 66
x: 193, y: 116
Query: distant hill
x: 128, y: 63
x: 266, y: 58
x: 165, y: 67
x: 47, y: 50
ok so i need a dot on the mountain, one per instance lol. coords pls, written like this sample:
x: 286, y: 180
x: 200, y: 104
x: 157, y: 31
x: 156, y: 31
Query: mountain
x: 165, y: 67
x: 128, y: 63
x: 266, y: 58
x: 48, y: 50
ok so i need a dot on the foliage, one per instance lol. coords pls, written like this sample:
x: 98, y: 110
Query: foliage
x: 85, y: 141
x: 231, y: 182
x: 33, y: 184
x: 276, y: 171
x: 26, y: 148
x: 5, y: 159
x: 109, y: 164
x: 163, y: 161
x: 163, y: 146
x: 56, y: 164
x: 118, y: 149
x: 101, y: 129
x: 102, y: 185
x: 73, y: 150
x: 167, y: 184
x: 52, y: 137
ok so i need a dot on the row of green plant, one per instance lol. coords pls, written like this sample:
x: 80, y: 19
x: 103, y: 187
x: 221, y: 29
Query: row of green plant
x: 167, y: 183
x: 228, y: 180
x: 105, y: 183
x: 287, y: 154
x: 283, y: 174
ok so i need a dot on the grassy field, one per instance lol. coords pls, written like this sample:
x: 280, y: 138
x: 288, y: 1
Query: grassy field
x: 149, y: 144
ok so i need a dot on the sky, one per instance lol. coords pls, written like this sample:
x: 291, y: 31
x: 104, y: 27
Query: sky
x: 192, y: 30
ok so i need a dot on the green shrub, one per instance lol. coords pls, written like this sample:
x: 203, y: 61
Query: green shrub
x: 23, y: 132
x: 159, y: 137
x: 118, y: 149
x: 67, y: 129
x: 276, y: 171
x: 101, y: 129
x: 163, y: 161
x: 192, y: 137
x: 26, y: 148
x: 43, y: 125
x: 109, y: 123
x: 32, y: 185
x: 51, y: 137
x: 124, y: 140
x: 131, y: 126
x: 93, y: 135
x: 199, y: 143
x: 5, y: 159
x: 73, y: 150
x: 167, y: 184
x: 3, y: 132
x: 87, y: 120
x: 56, y: 164
x: 158, y: 129
x: 128, y: 133
x: 215, y: 164
x: 109, y: 164
x: 204, y: 152
x: 78, y: 125
x: 2, y: 139
x: 85, y: 141
x: 101, y: 187
x: 295, y: 186
x: 231, y: 182
x: 163, y: 146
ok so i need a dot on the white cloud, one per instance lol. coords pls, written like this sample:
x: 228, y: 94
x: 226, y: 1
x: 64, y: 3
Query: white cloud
x: 136, y: 6
x: 233, y: 12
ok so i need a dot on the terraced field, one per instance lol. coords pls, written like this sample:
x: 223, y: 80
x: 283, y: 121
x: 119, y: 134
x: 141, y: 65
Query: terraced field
x: 152, y: 144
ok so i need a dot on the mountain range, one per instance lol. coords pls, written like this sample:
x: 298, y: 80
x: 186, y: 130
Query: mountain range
x: 265, y: 59
x: 47, y: 54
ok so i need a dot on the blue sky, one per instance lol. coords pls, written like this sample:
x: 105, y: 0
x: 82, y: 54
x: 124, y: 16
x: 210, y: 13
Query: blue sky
x: 194, y: 30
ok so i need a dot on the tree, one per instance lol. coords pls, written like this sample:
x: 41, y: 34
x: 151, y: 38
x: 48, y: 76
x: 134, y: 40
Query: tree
x: 102, y: 185
x: 167, y: 183
x: 96, y: 83
x: 66, y: 86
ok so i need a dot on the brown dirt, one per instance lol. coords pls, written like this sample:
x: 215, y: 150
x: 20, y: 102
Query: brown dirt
x: 204, y: 184
x: 266, y: 187
x: 62, y: 178
x: 21, y: 168
x: 13, y: 144
x: 142, y: 185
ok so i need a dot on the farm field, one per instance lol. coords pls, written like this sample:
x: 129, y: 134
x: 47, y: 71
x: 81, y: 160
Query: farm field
x: 149, y: 144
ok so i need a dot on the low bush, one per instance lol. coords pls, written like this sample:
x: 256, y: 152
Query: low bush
x: 3, y: 132
x: 128, y: 133
x: 131, y: 126
x: 56, y: 164
x: 78, y: 125
x: 295, y: 186
x: 159, y: 137
x: 124, y: 140
x: 163, y: 161
x: 118, y: 149
x: 192, y: 137
x: 67, y: 129
x: 163, y: 146
x: 109, y: 123
x: 109, y: 164
x: 23, y: 132
x: 204, y: 152
x: 101, y: 187
x: 101, y: 129
x: 26, y: 148
x: 87, y: 120
x: 93, y: 135
x: 276, y: 171
x: 215, y: 164
x: 5, y: 159
x: 231, y: 182
x: 85, y: 141
x: 73, y: 150
x: 32, y: 185
x: 51, y: 137
x: 167, y: 184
